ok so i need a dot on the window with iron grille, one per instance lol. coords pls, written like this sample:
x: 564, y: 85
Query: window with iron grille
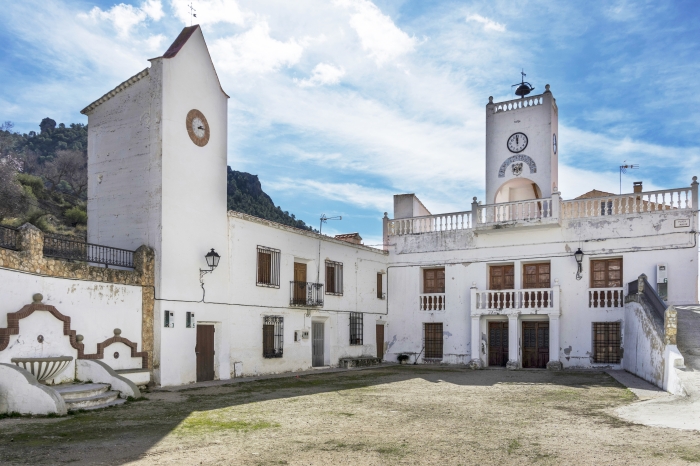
x: 606, y: 342
x: 432, y: 340
x: 356, y: 328
x: 268, y: 267
x: 334, y: 278
x: 273, y: 336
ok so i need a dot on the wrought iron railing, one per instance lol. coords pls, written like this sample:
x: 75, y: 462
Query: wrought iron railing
x: 642, y: 288
x: 64, y: 248
x: 9, y: 238
x: 306, y: 294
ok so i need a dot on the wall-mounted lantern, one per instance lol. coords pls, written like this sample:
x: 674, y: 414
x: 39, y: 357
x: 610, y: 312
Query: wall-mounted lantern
x: 212, y: 259
x: 579, y: 260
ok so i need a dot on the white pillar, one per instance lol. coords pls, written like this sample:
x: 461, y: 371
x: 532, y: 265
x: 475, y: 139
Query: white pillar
x: 513, y: 347
x: 476, y: 362
x: 554, y: 363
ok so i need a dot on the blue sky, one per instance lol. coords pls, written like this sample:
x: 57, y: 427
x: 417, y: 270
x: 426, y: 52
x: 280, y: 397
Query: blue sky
x: 338, y: 105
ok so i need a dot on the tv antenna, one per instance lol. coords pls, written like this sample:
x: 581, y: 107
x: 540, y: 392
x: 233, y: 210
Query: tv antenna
x: 524, y: 88
x: 323, y: 219
x: 192, y: 13
x: 624, y: 168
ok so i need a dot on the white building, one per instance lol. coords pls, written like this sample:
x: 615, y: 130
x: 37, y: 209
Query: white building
x: 497, y: 285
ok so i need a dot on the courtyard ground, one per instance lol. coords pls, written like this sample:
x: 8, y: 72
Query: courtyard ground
x: 389, y: 415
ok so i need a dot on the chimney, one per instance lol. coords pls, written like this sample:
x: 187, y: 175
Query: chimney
x: 637, y: 186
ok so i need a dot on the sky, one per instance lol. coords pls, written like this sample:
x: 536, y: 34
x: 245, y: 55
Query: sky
x: 338, y: 105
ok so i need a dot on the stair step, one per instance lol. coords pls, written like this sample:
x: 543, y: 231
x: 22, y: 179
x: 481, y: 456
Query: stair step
x: 78, y: 391
x: 117, y: 402
x: 92, y: 401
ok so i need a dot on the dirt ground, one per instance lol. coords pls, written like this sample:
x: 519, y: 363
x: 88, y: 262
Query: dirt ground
x: 389, y: 415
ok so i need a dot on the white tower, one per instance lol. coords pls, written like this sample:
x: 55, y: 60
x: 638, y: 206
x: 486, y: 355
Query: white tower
x: 521, y: 148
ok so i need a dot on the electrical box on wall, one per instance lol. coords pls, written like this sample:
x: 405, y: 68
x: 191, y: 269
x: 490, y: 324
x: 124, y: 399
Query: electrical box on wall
x: 169, y: 319
x: 305, y: 334
x: 662, y: 280
x: 189, y: 320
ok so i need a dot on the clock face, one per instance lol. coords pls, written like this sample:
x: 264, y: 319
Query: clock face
x: 554, y: 142
x: 197, y: 127
x: 517, y: 142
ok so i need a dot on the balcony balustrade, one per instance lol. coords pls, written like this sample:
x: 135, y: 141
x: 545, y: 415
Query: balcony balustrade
x: 533, y: 298
x: 432, y: 301
x: 306, y: 294
x: 547, y: 211
x: 606, y: 297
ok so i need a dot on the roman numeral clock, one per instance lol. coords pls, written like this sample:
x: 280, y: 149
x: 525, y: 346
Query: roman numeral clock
x: 197, y: 127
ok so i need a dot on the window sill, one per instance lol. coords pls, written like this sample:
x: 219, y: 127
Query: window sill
x: 267, y: 285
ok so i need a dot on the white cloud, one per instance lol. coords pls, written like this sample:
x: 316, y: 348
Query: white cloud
x: 124, y: 17
x: 378, y: 33
x: 255, y: 51
x: 349, y: 193
x: 489, y: 25
x: 210, y: 12
x: 323, y: 74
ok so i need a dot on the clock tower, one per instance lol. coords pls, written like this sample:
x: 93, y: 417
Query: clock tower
x: 522, y: 147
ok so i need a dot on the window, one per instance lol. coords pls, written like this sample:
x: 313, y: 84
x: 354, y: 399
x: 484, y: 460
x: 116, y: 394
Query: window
x: 356, y: 328
x: 432, y: 341
x: 380, y: 289
x: 606, y: 342
x: 606, y: 208
x: 273, y: 336
x: 606, y: 273
x: 536, y: 276
x: 334, y: 278
x: 268, y: 267
x: 434, y: 280
x: 501, y: 277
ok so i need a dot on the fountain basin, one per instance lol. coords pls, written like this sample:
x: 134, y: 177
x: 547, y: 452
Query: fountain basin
x: 44, y: 368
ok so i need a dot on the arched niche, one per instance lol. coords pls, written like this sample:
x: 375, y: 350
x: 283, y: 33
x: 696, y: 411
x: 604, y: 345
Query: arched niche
x: 518, y: 189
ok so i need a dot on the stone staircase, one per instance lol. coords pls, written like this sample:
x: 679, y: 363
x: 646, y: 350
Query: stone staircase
x: 89, y: 396
x: 688, y: 342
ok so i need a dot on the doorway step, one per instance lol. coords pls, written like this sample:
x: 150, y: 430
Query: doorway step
x: 88, y: 396
x: 363, y: 361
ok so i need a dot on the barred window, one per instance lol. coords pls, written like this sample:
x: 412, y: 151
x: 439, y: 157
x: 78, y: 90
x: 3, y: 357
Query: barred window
x: 334, y: 278
x: 268, y: 267
x: 432, y: 340
x: 606, y: 342
x: 356, y: 328
x: 273, y: 336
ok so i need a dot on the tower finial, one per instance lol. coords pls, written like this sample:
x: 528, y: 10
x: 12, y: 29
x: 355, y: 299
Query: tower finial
x: 524, y: 88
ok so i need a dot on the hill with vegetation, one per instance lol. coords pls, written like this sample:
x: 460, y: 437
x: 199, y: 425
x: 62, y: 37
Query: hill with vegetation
x: 43, y: 181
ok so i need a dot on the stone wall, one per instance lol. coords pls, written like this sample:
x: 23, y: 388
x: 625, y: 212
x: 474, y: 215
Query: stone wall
x: 670, y: 326
x: 30, y: 259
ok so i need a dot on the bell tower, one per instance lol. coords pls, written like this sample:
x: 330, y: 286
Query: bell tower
x: 522, y: 146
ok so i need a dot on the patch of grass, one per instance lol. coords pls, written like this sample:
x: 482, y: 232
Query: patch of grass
x: 691, y: 456
x: 346, y: 414
x: 131, y: 399
x: 207, y: 422
x: 513, y: 445
x: 12, y: 414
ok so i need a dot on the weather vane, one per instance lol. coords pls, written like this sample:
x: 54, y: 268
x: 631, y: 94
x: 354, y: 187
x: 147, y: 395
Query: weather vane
x: 623, y: 169
x: 524, y: 88
x: 192, y: 12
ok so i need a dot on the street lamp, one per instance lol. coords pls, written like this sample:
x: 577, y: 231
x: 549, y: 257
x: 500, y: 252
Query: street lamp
x: 212, y: 259
x: 579, y: 260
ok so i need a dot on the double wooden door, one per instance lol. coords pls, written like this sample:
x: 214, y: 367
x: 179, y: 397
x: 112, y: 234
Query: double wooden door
x: 498, y: 343
x: 204, y: 350
x: 535, y: 344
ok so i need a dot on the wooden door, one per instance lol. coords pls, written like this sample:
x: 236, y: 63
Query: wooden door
x: 501, y: 277
x: 205, y: 352
x: 380, y: 341
x: 317, y: 343
x: 299, y: 283
x: 535, y: 344
x: 498, y: 343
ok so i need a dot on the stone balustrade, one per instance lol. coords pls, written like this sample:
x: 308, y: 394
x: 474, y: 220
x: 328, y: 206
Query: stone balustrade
x: 606, y: 297
x: 432, y: 301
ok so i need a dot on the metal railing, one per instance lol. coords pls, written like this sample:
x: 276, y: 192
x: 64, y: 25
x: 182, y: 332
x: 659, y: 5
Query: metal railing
x: 63, y: 248
x: 9, y: 238
x: 306, y: 294
x: 643, y: 289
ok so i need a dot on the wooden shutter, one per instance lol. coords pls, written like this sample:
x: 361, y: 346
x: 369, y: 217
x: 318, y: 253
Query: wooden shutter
x: 536, y: 276
x: 380, y: 292
x: 606, y: 273
x: 330, y: 278
x: 502, y: 277
x: 264, y: 267
x: 268, y: 341
x: 434, y: 280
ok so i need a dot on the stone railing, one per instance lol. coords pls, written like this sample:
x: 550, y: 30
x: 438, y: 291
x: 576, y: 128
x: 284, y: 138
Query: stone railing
x: 432, y: 301
x: 606, y: 297
x: 546, y: 211
x: 517, y: 103
x: 533, y: 298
